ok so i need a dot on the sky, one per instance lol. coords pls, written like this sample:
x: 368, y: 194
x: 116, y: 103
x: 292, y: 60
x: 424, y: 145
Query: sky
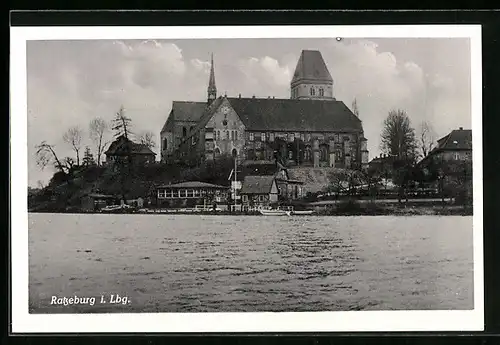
x: 71, y: 82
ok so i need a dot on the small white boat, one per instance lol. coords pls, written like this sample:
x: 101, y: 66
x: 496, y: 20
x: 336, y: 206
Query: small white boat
x: 303, y: 213
x: 274, y: 212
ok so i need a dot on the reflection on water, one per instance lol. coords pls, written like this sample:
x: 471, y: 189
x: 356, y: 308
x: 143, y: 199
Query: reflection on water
x: 182, y: 263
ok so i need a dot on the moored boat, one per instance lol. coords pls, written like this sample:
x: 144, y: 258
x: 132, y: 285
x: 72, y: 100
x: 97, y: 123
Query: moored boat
x: 274, y: 212
x: 302, y: 213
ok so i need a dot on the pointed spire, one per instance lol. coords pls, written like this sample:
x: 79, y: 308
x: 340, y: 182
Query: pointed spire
x: 212, y: 89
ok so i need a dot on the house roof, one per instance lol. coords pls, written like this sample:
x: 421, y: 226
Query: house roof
x: 186, y: 111
x: 458, y: 139
x: 101, y: 196
x: 193, y: 184
x: 270, y: 114
x: 311, y: 67
x: 257, y: 184
x: 117, y: 147
x: 295, y: 115
x: 206, y: 116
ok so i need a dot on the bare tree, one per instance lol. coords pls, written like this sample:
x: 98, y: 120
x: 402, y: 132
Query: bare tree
x: 97, y: 130
x: 426, y: 138
x: 398, y: 137
x: 73, y: 137
x: 46, y: 155
x: 40, y: 184
x: 148, y: 138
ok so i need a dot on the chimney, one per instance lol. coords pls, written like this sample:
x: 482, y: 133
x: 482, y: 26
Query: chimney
x: 273, y: 97
x: 461, y: 128
x: 253, y: 96
x: 239, y: 95
x: 268, y: 97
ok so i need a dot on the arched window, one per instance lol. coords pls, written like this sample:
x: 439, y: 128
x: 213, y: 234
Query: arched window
x: 321, y: 92
x: 234, y: 153
x: 323, y: 153
x: 184, y: 131
x: 164, y: 143
x: 217, y: 152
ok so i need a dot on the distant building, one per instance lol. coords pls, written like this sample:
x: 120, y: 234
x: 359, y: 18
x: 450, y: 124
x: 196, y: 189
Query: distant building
x: 311, y: 128
x: 288, y: 188
x: 95, y: 201
x: 381, y: 165
x: 456, y: 146
x: 122, y: 147
x: 259, y: 190
x: 191, y: 192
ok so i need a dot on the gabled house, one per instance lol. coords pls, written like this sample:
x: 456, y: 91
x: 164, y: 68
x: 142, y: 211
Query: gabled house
x: 452, y: 149
x: 259, y: 190
x: 122, y: 147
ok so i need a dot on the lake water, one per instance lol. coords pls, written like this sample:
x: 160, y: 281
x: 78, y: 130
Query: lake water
x: 186, y: 263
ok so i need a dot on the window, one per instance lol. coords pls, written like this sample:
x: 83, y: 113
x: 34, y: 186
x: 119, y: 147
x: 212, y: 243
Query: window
x: 183, y: 193
x: 302, y: 137
x: 457, y: 156
x: 321, y: 92
x: 244, y: 198
x: 172, y: 194
x: 162, y: 194
x: 190, y: 193
x: 227, y: 135
x: 251, y: 138
x: 307, y: 154
x: 184, y: 131
x: 262, y: 136
x: 290, y: 155
x: 196, y: 192
x: 313, y: 92
x: 232, y: 135
x: 308, y: 137
x: 164, y: 143
x: 291, y: 137
x: 262, y: 197
x: 324, y: 153
x: 235, y: 135
x: 251, y: 155
x: 217, y: 135
x: 271, y: 136
x: 217, y: 152
x: 191, y: 129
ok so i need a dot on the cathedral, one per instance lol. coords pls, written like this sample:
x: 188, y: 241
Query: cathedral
x: 311, y: 128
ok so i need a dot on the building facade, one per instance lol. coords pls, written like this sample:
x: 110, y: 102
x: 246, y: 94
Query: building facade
x: 454, y: 147
x: 311, y: 128
x: 191, y: 193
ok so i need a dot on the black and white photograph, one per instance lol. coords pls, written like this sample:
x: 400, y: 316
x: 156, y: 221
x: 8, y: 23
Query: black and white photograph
x: 198, y: 179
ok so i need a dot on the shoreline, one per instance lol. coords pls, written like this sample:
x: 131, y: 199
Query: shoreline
x: 379, y: 211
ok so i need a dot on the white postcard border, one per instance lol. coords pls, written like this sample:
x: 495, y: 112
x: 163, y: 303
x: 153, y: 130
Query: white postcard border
x: 351, y: 321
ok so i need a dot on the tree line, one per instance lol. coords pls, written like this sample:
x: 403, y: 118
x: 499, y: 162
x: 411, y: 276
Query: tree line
x: 99, y: 133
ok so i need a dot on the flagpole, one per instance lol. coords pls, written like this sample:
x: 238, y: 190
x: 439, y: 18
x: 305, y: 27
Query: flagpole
x: 235, y: 181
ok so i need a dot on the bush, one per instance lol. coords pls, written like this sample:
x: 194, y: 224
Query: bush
x: 349, y: 206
